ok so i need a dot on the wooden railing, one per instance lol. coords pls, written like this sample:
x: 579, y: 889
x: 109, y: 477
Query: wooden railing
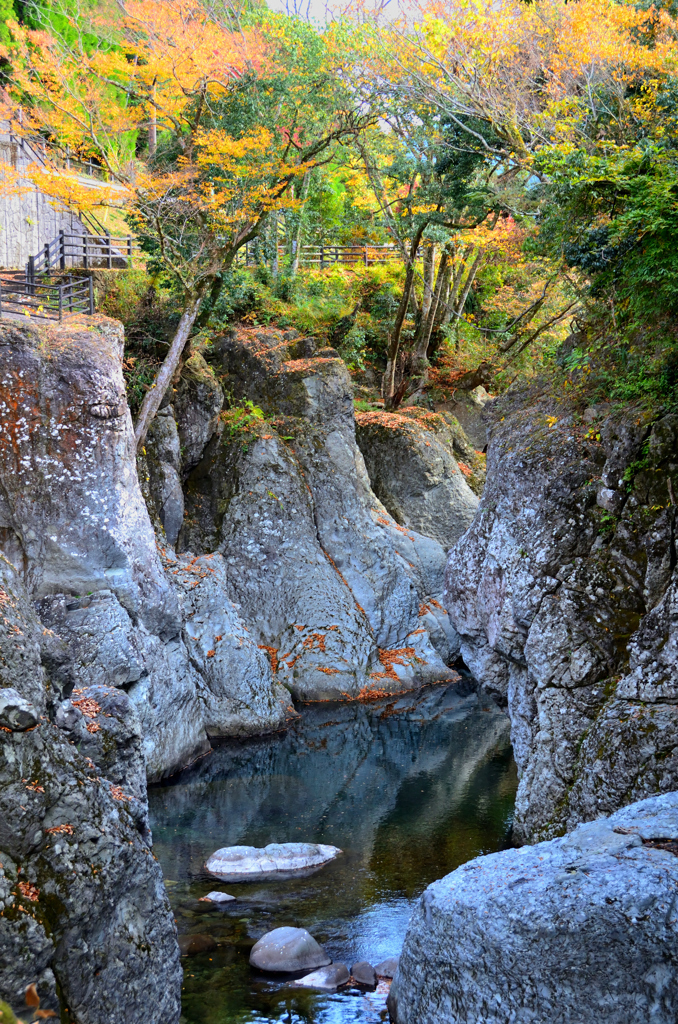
x: 325, y: 255
x: 49, y: 300
x: 88, y: 251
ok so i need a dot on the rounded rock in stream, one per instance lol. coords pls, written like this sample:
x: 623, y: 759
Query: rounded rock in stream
x: 364, y: 974
x: 287, y: 951
x: 327, y: 979
x: 277, y: 860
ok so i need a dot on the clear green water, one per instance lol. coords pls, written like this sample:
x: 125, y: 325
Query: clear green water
x: 409, y: 788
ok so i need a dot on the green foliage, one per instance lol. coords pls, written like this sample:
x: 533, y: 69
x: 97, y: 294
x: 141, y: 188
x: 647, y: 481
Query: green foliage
x: 6, y: 1015
x: 8, y: 12
x: 242, y: 417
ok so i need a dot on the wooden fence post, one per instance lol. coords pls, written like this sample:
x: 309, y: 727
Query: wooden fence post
x: 62, y: 250
x: 110, y: 260
x: 129, y: 250
x: 91, y: 296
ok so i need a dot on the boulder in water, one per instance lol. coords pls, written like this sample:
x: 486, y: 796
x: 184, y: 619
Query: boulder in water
x: 327, y: 979
x: 277, y: 860
x: 287, y: 951
x: 217, y: 897
x: 580, y: 928
x: 364, y: 974
x: 387, y: 968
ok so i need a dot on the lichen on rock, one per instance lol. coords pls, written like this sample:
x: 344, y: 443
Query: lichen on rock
x: 564, y: 607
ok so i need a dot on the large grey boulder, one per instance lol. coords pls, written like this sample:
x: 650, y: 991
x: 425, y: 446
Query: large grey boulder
x: 287, y: 951
x: 119, y: 610
x: 314, y: 562
x: 581, y: 928
x: 565, y: 609
x: 415, y: 475
x: 81, y: 894
x: 71, y: 512
x: 277, y: 860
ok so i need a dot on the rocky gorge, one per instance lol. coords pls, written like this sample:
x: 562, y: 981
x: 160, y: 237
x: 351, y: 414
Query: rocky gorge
x: 269, y: 545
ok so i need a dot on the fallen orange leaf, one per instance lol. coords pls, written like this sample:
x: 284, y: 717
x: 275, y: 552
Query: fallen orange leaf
x: 32, y: 997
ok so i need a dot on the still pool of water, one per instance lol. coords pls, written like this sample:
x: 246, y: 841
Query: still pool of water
x: 409, y: 787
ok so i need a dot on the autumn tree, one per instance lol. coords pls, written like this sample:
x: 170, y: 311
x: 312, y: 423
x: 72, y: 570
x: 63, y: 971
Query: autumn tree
x: 237, y: 106
x: 517, y: 89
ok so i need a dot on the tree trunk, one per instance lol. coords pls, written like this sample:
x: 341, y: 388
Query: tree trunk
x: 275, y: 263
x: 153, y: 128
x: 388, y: 385
x: 456, y: 306
x: 156, y: 393
x: 429, y: 270
x: 298, y: 231
x: 421, y: 352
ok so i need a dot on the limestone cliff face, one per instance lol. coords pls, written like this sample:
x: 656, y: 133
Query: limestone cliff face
x: 564, y: 594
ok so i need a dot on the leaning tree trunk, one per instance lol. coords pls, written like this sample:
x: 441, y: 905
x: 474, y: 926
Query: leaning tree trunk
x: 156, y: 392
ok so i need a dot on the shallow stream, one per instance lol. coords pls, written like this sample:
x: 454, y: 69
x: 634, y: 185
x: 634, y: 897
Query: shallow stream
x: 409, y: 787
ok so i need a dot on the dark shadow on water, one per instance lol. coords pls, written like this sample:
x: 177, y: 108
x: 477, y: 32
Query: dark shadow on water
x: 409, y: 788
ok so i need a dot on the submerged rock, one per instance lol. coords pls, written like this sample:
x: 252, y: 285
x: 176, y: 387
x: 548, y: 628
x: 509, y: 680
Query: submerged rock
x: 327, y: 979
x: 288, y: 951
x: 191, y: 945
x: 582, y: 928
x: 277, y: 860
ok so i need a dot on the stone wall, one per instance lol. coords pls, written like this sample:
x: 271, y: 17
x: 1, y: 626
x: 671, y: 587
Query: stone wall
x: 29, y: 220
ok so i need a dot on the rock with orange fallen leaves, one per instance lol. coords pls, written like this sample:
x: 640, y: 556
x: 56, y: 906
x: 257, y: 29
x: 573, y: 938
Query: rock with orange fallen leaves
x: 415, y: 475
x: 322, y: 583
x: 109, y: 605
